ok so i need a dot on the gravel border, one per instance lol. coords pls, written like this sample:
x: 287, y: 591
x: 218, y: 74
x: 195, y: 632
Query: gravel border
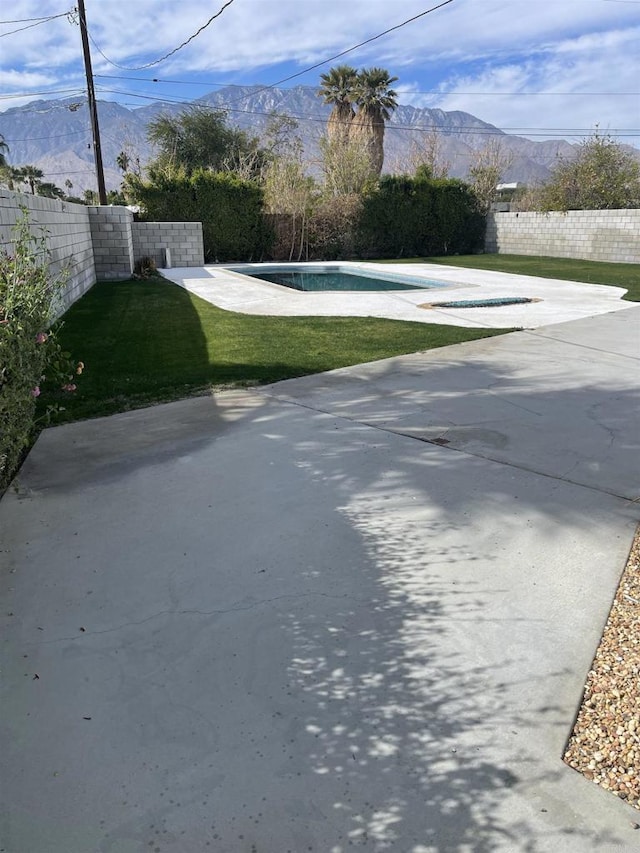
x: 605, y: 743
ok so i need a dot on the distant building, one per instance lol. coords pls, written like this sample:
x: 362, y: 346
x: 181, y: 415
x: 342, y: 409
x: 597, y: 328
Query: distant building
x: 504, y: 196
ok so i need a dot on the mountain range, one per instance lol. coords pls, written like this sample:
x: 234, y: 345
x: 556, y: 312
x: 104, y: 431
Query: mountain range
x: 55, y: 135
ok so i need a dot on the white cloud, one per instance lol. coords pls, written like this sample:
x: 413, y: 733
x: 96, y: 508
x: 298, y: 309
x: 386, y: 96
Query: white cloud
x: 571, y: 72
x: 482, y: 46
x: 10, y: 79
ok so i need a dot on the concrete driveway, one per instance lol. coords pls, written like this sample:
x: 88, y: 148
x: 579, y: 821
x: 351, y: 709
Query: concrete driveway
x: 350, y: 611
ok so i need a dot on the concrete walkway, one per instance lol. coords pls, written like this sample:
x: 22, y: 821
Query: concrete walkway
x: 350, y: 611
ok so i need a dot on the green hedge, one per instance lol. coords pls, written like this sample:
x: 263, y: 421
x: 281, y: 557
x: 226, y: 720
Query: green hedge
x: 402, y: 217
x: 419, y: 216
x: 229, y: 208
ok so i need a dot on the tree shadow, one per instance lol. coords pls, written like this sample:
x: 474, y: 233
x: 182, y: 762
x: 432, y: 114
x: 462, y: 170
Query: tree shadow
x: 454, y: 638
x: 353, y: 636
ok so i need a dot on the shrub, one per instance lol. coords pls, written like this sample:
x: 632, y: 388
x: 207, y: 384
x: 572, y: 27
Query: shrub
x: 229, y: 208
x: 605, y: 175
x: 419, y: 216
x: 144, y: 267
x: 333, y: 226
x: 30, y: 354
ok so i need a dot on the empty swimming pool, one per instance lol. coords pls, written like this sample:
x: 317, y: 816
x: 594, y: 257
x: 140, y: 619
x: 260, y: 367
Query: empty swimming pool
x: 333, y: 277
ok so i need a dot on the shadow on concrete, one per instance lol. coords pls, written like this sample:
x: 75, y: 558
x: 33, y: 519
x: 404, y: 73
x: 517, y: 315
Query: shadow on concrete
x: 309, y: 629
x: 434, y: 690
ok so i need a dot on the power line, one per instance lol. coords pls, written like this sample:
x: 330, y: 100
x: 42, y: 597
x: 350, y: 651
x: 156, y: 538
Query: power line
x: 41, y: 18
x: 38, y: 138
x: 305, y: 70
x: 311, y: 67
x: 74, y: 172
x: 350, y: 49
x: 31, y: 94
x: 171, y: 52
x: 22, y: 110
x: 321, y: 119
x: 413, y: 91
x: 37, y: 24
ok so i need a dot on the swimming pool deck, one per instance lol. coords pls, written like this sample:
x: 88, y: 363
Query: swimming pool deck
x: 560, y: 301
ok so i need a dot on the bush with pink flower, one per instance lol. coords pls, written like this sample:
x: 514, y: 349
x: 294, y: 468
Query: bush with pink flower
x: 31, y: 358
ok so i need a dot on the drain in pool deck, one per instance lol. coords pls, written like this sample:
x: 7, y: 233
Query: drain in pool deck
x: 494, y: 302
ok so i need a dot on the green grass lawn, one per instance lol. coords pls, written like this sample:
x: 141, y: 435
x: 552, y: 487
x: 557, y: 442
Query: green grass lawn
x: 590, y: 272
x: 151, y: 341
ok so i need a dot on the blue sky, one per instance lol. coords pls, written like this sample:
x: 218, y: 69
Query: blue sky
x: 538, y: 68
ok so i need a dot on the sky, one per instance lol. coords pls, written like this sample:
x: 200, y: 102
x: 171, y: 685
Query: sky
x: 542, y: 69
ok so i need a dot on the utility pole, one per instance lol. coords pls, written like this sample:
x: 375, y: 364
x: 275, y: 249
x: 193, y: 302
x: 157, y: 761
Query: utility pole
x: 93, y: 109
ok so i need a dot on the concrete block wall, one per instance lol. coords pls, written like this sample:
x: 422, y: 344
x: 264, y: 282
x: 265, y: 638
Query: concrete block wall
x: 183, y: 238
x: 66, y: 227
x: 112, y: 242
x: 595, y: 235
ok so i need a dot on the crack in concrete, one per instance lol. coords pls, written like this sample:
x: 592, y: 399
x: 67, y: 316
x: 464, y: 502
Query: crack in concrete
x: 433, y: 441
x: 509, y: 402
x: 195, y: 612
x: 537, y: 334
x: 593, y: 414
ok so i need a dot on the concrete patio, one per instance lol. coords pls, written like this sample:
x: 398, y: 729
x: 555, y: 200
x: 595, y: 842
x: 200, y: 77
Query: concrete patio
x: 350, y: 611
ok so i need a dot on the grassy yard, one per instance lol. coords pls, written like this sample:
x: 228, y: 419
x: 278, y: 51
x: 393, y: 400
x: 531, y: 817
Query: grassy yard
x: 590, y: 272
x: 152, y: 341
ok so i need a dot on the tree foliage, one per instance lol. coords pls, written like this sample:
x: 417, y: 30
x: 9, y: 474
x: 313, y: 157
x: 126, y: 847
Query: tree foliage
x: 333, y: 227
x: 197, y: 139
x: 23, y: 178
x: 488, y: 166
x: 376, y: 100
x: 289, y: 194
x: 230, y: 209
x: 426, y: 153
x: 420, y: 216
x: 4, y: 150
x: 603, y: 176
x: 370, y: 90
x: 338, y: 89
x: 30, y: 354
x: 346, y: 167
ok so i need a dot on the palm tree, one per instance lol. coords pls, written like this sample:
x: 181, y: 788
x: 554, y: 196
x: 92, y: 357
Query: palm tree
x: 376, y: 100
x: 30, y: 175
x: 338, y: 90
x: 123, y: 161
x: 49, y: 190
x: 4, y: 148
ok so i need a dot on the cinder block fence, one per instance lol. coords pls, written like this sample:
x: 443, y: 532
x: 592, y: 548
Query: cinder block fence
x: 68, y: 237
x: 183, y: 239
x: 593, y: 235
x: 98, y: 243
x: 104, y: 243
x: 112, y: 240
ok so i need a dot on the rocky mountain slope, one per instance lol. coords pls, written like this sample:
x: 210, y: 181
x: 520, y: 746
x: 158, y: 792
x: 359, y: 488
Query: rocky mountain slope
x: 55, y: 135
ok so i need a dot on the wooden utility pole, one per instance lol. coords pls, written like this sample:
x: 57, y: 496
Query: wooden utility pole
x: 93, y: 109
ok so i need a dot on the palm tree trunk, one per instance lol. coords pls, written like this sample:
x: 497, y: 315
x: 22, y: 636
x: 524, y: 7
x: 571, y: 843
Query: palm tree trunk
x: 367, y: 130
x: 339, y: 123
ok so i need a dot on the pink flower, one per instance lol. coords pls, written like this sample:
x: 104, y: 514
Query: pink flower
x: 41, y: 337
x: 68, y: 387
x: 35, y: 392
